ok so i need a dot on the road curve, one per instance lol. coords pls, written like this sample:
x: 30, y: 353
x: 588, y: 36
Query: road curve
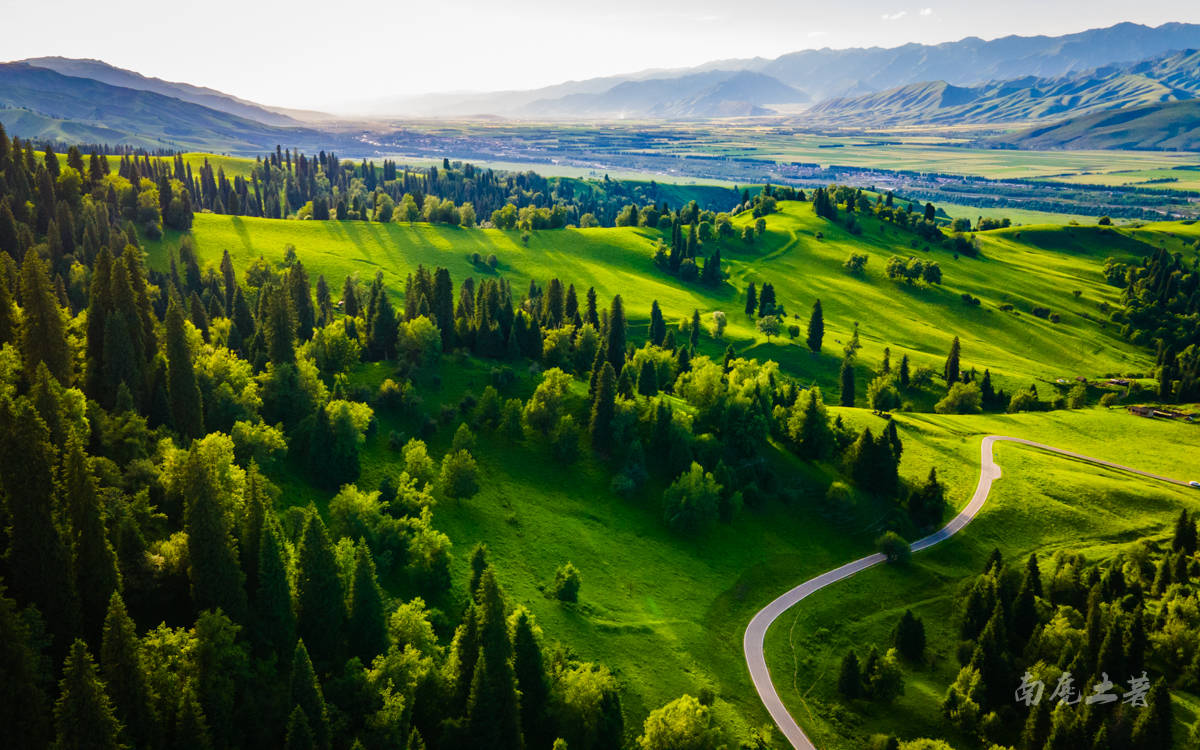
x: 756, y: 631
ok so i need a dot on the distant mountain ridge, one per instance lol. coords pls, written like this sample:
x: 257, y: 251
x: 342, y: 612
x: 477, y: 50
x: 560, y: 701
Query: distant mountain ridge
x: 831, y: 73
x: 1173, y: 126
x: 715, y: 93
x: 40, y: 103
x: 1175, y: 77
x: 98, y: 70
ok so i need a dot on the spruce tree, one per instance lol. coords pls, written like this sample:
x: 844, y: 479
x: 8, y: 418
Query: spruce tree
x: 307, y: 696
x: 530, y: 670
x: 366, y: 630
x: 83, y: 714
x: 951, y: 370
x: 191, y: 725
x: 647, y: 382
x: 125, y: 676
x: 275, y: 623
x: 96, y: 577
x: 658, y: 326
x: 751, y: 300
x: 38, y: 560
x: 44, y: 332
x: 23, y: 706
x: 614, y: 349
x: 493, y: 710
x: 301, y: 291
x: 909, y: 636
x: 350, y: 298
x: 299, y: 734
x: 816, y: 328
x: 320, y: 598
x: 1152, y: 728
x: 600, y: 426
x: 847, y: 380
x: 217, y: 580
x: 99, y: 306
x: 187, y: 412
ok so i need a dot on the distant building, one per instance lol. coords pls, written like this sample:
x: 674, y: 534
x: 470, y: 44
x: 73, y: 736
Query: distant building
x: 1142, y: 411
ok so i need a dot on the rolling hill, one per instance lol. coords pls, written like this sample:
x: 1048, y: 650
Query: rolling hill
x: 1173, y: 126
x: 43, y: 104
x: 1175, y: 77
x: 98, y: 70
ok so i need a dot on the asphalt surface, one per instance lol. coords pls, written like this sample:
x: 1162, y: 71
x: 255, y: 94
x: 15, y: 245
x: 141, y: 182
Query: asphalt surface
x: 756, y: 631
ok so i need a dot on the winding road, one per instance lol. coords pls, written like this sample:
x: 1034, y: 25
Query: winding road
x: 756, y: 631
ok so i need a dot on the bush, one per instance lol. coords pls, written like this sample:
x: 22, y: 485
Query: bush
x: 1024, y: 401
x: 459, y: 478
x: 856, y: 263
x: 1040, y: 312
x: 793, y: 331
x: 690, y: 503
x: 967, y: 298
x: 894, y: 548
x: 1077, y: 398
x: 962, y: 398
x: 566, y: 583
x: 1109, y: 399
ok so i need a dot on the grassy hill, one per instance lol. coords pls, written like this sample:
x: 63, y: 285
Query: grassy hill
x: 1023, y: 267
x: 666, y: 612
x: 43, y: 104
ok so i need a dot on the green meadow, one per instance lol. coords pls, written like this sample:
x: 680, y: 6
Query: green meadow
x: 802, y: 256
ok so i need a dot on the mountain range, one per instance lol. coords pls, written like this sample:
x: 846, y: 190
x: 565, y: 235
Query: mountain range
x: 1175, y: 77
x: 1007, y: 81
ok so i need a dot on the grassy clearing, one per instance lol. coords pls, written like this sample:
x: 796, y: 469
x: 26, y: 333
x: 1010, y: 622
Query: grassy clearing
x: 1043, y: 503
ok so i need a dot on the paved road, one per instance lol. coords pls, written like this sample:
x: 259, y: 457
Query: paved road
x: 756, y: 631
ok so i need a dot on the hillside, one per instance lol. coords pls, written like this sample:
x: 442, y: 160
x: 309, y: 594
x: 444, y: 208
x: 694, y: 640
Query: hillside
x: 665, y: 631
x: 1025, y: 267
x: 41, y: 103
x: 1174, y: 126
x: 101, y: 71
x: 1172, y: 78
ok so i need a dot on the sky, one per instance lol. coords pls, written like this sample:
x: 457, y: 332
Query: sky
x: 322, y: 55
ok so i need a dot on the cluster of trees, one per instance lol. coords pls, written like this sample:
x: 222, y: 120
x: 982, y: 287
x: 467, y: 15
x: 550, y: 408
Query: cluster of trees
x: 290, y: 184
x: 689, y: 229
x: 1161, y: 302
x: 913, y: 270
x: 1121, y: 624
x: 844, y: 203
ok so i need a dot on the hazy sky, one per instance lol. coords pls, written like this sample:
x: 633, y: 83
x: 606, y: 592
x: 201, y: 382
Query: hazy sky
x: 305, y: 53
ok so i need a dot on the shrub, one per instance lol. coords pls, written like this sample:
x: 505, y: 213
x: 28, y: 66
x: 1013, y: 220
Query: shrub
x: 856, y: 263
x: 459, y: 478
x: 1077, y: 398
x: 793, y: 331
x: 1040, y: 312
x: 967, y: 298
x: 1109, y: 399
x: 962, y: 398
x: 894, y: 548
x: 566, y: 583
x: 690, y: 502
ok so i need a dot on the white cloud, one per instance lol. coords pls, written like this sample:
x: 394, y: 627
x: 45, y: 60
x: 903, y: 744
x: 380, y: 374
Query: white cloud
x: 894, y: 16
x: 927, y: 11
x: 815, y: 34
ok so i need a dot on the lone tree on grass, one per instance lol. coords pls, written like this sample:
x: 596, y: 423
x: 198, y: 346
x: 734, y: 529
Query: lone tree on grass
x: 816, y: 328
